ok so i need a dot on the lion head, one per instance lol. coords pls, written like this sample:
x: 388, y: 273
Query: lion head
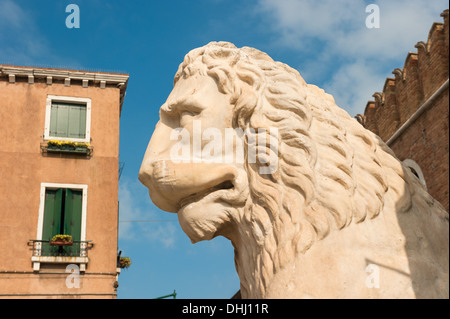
x: 330, y: 172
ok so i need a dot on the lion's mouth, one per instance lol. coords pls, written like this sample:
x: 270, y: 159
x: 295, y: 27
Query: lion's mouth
x: 195, y: 197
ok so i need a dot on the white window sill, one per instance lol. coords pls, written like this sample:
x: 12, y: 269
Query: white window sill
x: 69, y: 139
x: 37, y: 260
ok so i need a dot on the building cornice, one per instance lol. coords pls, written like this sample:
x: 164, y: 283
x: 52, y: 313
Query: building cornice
x: 12, y: 73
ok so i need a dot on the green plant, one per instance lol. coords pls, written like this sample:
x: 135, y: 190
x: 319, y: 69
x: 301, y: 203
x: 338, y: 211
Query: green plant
x: 70, y: 143
x: 64, y: 238
x: 124, y: 262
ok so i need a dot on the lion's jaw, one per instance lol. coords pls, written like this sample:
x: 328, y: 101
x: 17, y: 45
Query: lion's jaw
x: 214, y: 212
x: 205, y: 196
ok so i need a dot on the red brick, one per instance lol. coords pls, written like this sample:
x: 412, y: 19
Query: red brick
x: 426, y: 141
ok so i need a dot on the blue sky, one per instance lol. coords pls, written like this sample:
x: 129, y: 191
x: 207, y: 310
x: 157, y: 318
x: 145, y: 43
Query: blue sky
x: 327, y: 41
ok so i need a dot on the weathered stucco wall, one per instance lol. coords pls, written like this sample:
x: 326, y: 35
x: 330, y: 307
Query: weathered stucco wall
x: 23, y: 167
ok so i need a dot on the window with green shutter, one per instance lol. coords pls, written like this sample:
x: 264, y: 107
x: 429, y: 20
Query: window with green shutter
x: 62, y: 215
x: 68, y: 120
x: 72, y: 214
x: 52, y: 213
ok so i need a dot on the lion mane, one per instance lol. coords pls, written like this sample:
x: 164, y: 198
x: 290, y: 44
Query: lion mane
x: 331, y: 171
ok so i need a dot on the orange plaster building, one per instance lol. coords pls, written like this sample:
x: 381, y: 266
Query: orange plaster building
x: 59, y: 175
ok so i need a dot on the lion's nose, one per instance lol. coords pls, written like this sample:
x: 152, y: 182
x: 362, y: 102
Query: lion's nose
x: 170, y: 182
x: 146, y: 177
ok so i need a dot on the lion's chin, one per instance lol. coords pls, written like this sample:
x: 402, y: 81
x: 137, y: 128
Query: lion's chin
x: 204, y: 221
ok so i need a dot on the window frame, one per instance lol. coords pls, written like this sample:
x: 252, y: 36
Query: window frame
x: 67, y: 99
x: 82, y: 260
x: 79, y: 187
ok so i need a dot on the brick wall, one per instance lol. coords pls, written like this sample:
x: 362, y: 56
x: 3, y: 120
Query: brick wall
x: 426, y: 140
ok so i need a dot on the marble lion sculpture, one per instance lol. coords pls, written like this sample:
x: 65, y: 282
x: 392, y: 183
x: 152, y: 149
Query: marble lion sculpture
x: 339, y: 217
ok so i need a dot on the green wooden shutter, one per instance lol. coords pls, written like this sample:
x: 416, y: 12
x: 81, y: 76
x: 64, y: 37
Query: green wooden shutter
x: 53, y: 120
x: 52, y: 220
x: 83, y: 110
x: 52, y: 214
x: 68, y: 120
x: 72, y: 220
x: 59, y: 119
x: 77, y: 121
x: 72, y: 213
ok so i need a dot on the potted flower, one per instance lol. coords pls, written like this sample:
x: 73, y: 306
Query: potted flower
x: 124, y: 262
x: 82, y: 147
x: 61, y: 145
x: 67, y: 146
x: 61, y: 240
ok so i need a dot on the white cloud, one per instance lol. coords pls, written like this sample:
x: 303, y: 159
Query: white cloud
x: 402, y: 25
x: 10, y: 14
x: 22, y: 42
x: 135, y: 205
x: 346, y: 58
x: 310, y: 19
x: 353, y: 84
x: 164, y: 233
x: 18, y: 34
x: 127, y: 211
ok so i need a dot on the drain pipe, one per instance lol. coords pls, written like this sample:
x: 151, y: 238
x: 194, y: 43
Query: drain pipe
x: 418, y: 113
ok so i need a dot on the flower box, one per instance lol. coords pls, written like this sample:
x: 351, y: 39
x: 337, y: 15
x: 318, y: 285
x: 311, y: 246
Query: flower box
x: 55, y: 146
x: 60, y: 243
x: 61, y: 240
